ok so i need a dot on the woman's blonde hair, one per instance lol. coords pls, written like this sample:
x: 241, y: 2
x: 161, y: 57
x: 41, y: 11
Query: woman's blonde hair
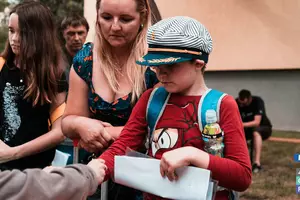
x: 104, y: 57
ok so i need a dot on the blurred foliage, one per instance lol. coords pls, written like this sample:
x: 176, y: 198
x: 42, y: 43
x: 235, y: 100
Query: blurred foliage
x: 61, y: 8
x: 3, y: 37
x: 3, y: 4
x: 3, y: 27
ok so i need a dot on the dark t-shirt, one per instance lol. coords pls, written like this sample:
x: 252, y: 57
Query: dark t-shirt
x: 256, y: 107
x: 69, y: 62
x: 20, y: 122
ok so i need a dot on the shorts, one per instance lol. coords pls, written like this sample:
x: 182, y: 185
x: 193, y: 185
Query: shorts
x: 264, y: 131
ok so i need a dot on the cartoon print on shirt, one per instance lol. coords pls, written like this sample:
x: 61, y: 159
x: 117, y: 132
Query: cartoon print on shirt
x: 164, y: 138
x: 174, y: 136
x: 12, y: 119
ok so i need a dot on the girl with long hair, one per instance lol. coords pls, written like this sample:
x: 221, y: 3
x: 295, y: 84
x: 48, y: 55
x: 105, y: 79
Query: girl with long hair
x: 32, y: 87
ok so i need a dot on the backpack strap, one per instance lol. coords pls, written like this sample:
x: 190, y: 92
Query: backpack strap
x: 2, y: 62
x: 155, y: 107
x: 57, y: 113
x: 210, y: 100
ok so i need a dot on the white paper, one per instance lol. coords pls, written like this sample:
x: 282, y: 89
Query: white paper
x: 60, y: 159
x: 144, y: 174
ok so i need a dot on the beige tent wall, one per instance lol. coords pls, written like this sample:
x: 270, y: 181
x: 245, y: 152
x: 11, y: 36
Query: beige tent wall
x: 247, y: 34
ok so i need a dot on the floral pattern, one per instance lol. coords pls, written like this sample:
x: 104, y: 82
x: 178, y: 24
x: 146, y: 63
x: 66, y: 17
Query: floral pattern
x: 117, y: 112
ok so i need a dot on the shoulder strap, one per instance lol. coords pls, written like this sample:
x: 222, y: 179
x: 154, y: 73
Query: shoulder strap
x: 2, y: 61
x: 156, y: 105
x: 57, y: 113
x: 211, y: 100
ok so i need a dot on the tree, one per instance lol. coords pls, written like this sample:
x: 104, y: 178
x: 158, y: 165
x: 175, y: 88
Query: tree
x: 61, y: 8
x: 3, y: 4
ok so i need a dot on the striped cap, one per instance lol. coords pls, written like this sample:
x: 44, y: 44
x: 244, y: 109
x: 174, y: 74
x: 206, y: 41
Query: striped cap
x: 176, y: 39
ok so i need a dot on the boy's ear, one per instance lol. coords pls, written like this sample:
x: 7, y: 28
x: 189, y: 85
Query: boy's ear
x: 199, y: 64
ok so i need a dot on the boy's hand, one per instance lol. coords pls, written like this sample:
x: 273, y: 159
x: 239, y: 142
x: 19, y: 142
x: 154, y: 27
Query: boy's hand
x: 99, y: 167
x: 174, y: 159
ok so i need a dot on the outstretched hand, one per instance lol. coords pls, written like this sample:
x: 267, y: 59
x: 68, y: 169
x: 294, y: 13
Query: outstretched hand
x: 99, y: 167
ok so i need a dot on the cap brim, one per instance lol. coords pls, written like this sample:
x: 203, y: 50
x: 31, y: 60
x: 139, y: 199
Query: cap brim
x: 155, y: 59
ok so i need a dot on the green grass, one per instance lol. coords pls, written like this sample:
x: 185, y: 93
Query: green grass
x: 278, y: 179
x: 284, y: 134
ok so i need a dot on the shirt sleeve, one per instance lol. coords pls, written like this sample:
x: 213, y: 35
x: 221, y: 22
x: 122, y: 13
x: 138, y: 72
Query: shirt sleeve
x: 234, y: 170
x: 260, y: 107
x: 83, y: 62
x: 133, y: 135
x: 73, y: 182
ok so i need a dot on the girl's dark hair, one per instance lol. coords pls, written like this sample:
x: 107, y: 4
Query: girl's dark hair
x: 40, y: 58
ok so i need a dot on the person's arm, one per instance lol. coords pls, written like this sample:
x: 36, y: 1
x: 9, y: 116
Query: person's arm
x: 73, y: 182
x: 254, y: 123
x: 258, y: 112
x: 76, y: 123
x: 77, y: 106
x: 132, y: 136
x: 233, y: 171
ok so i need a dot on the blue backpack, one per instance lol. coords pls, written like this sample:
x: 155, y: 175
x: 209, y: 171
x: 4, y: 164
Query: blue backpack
x: 210, y: 100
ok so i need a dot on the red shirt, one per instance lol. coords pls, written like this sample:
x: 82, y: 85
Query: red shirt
x: 178, y: 127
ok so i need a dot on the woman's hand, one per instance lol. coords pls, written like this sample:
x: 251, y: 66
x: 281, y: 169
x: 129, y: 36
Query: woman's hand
x: 7, y: 153
x: 174, y: 159
x: 93, y: 136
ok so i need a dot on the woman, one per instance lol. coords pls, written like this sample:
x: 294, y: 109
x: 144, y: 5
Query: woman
x: 105, y: 82
x: 32, y: 87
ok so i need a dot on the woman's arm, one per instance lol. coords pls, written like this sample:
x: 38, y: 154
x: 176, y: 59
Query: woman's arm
x: 77, y: 110
x: 76, y: 123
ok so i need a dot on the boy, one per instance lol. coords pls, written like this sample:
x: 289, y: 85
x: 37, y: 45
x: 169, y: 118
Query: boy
x: 178, y: 51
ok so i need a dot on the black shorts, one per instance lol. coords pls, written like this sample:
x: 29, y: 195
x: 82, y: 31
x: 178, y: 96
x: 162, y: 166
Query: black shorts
x: 264, y: 131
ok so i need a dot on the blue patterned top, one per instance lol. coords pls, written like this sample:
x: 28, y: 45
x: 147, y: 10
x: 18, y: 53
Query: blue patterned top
x: 116, y: 113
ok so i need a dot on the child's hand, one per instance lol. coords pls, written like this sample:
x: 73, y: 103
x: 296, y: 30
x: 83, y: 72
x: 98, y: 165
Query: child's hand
x: 99, y: 168
x: 174, y: 159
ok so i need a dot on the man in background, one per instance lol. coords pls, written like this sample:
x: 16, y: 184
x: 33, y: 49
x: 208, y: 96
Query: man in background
x: 256, y: 124
x: 74, y: 29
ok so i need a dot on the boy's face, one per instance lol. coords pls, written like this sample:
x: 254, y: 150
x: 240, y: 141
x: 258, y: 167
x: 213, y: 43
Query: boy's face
x: 180, y: 77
